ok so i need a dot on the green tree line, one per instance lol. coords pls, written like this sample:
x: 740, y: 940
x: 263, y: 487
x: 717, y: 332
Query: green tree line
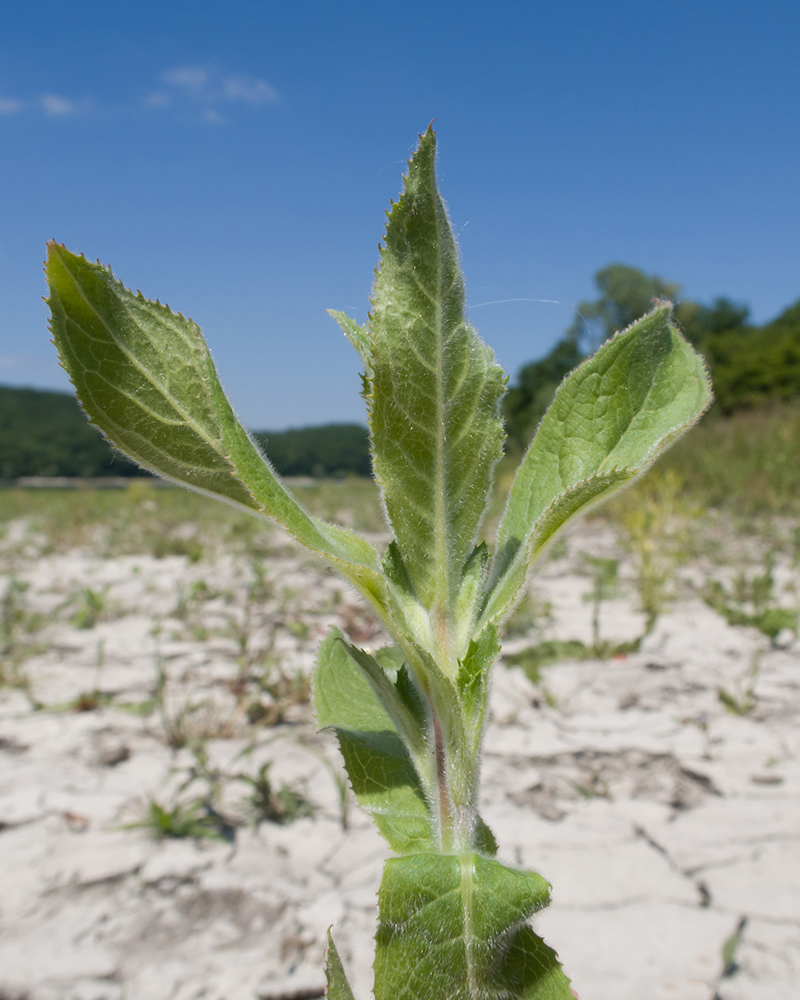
x: 46, y: 434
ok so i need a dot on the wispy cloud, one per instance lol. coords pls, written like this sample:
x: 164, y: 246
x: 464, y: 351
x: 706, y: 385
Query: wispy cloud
x: 249, y: 90
x: 210, y: 93
x: 51, y: 105
x: 11, y: 106
x: 57, y: 107
x: 185, y: 92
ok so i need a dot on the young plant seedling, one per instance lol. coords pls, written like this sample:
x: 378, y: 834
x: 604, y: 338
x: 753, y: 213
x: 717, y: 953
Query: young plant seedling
x: 453, y: 920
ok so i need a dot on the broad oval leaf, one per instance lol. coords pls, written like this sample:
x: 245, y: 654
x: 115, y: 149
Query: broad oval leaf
x: 381, y: 771
x: 145, y: 378
x: 608, y: 423
x: 455, y: 926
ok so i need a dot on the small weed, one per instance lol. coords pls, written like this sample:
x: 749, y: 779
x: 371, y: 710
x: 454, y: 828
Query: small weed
x: 183, y: 819
x: 283, y: 690
x: 544, y: 653
x: 729, y: 949
x: 261, y: 588
x: 18, y: 622
x: 90, y: 701
x: 92, y: 604
x: 174, y: 720
x: 188, y: 598
x: 170, y: 545
x: 595, y: 787
x: 299, y: 630
x: 654, y: 519
x: 267, y: 804
x: 752, y: 601
x: 604, y: 574
x: 742, y: 700
x: 737, y: 704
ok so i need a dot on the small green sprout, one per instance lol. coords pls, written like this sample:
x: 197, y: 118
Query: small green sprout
x: 181, y: 820
x: 409, y: 717
x: 752, y: 601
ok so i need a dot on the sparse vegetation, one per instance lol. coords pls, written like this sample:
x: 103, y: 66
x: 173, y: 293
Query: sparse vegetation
x: 179, y: 820
x: 751, y: 600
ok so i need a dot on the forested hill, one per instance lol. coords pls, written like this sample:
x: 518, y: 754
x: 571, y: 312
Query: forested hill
x: 46, y: 434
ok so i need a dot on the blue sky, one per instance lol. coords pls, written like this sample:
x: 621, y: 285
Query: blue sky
x: 235, y: 160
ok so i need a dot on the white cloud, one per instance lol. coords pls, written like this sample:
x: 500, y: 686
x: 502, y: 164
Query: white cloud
x: 187, y: 77
x: 212, y: 91
x: 252, y: 91
x: 202, y: 94
x: 57, y: 107
x: 10, y: 105
x: 8, y: 361
x: 158, y: 100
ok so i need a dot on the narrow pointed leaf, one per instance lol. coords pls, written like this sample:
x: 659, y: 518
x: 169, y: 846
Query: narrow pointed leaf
x: 454, y: 926
x: 381, y: 771
x: 337, y: 987
x: 471, y: 594
x: 434, y: 389
x: 145, y: 377
x: 473, y: 684
x: 609, y: 421
x: 406, y: 720
x: 357, y: 335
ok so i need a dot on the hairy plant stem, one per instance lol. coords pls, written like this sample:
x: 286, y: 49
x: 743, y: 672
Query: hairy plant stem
x: 443, y: 802
x: 456, y: 795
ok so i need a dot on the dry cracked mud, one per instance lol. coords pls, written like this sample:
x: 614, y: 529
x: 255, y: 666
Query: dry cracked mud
x: 667, y: 824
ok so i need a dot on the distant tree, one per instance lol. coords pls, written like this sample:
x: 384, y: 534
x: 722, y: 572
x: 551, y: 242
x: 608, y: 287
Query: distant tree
x: 626, y: 293
x: 752, y: 365
x: 749, y: 365
x: 721, y: 317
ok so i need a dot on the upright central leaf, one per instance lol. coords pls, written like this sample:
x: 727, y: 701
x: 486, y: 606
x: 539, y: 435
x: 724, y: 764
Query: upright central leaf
x: 433, y: 390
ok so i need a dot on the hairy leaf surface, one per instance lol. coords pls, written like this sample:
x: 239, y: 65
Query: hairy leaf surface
x: 609, y: 421
x: 454, y: 926
x: 145, y: 377
x: 382, y: 774
x: 433, y: 390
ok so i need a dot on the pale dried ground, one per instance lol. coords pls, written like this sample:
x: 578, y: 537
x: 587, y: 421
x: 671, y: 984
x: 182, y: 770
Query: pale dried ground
x: 662, y: 820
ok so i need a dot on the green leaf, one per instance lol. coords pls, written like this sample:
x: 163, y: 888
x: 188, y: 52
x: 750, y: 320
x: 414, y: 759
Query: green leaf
x: 357, y: 335
x: 609, y: 421
x: 433, y: 391
x: 145, y: 377
x: 471, y: 594
x: 454, y: 926
x: 406, y: 719
x: 473, y: 684
x: 381, y: 771
x: 337, y: 987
